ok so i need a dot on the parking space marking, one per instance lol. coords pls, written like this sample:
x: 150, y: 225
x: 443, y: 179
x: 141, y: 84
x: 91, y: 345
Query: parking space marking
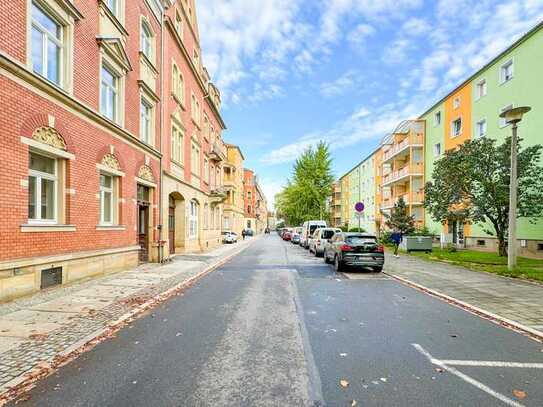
x: 484, y: 363
x: 466, y: 378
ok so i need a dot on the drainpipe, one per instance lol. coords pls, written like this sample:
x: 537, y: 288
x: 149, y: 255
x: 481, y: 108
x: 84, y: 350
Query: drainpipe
x: 162, y: 102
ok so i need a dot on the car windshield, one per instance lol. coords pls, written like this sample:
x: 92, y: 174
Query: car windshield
x: 327, y: 234
x: 360, y: 239
x: 312, y: 228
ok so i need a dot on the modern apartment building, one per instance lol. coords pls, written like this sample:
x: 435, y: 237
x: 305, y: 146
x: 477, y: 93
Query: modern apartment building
x: 405, y: 159
x: 104, y: 139
x: 403, y: 170
x: 234, y: 205
x: 335, y: 205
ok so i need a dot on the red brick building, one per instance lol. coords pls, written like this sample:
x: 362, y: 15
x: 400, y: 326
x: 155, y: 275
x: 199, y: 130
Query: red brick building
x: 256, y: 212
x: 88, y: 119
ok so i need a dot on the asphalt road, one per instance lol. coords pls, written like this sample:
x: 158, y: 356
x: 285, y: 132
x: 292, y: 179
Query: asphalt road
x: 277, y: 327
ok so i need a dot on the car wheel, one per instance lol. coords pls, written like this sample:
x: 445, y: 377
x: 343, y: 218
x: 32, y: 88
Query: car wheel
x: 338, y: 265
x: 378, y: 269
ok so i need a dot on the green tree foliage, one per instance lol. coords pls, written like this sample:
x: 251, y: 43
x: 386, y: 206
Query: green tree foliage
x: 399, y: 219
x: 471, y: 184
x: 304, y: 197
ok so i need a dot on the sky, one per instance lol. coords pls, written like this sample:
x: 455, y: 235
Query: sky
x: 295, y: 72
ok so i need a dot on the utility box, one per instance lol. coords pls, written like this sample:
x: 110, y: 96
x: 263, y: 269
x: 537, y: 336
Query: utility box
x: 417, y: 243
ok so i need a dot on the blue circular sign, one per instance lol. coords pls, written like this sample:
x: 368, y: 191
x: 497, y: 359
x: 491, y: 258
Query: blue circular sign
x: 359, y: 207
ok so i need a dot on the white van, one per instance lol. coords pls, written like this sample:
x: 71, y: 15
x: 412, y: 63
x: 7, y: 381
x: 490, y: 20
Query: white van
x: 307, y: 230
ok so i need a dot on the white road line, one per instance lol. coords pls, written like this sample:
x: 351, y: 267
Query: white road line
x: 466, y: 378
x: 484, y: 363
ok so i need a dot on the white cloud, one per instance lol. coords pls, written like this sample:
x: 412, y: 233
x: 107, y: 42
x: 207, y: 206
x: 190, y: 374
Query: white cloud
x: 397, y: 51
x: 416, y: 26
x: 360, y: 34
x: 270, y: 187
x: 340, y: 85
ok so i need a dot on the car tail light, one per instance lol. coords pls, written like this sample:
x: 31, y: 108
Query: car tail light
x: 346, y: 248
x: 380, y: 249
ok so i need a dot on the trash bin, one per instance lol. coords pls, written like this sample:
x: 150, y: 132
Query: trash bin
x: 417, y: 243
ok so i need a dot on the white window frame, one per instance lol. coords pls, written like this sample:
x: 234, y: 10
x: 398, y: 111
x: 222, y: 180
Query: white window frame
x: 102, y: 191
x: 481, y: 85
x: 39, y: 175
x: 453, y: 132
x: 46, y: 37
x: 113, y: 6
x: 178, y: 23
x: 147, y: 39
x: 437, y: 121
x: 206, y: 170
x: 504, y: 66
x: 193, y: 219
x: 178, y: 143
x: 437, y: 150
x: 195, y: 159
x: 478, y: 128
x: 115, y: 90
x: 502, y: 121
x: 456, y: 102
x: 146, y: 134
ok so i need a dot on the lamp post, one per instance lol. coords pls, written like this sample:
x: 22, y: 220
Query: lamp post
x: 513, y: 116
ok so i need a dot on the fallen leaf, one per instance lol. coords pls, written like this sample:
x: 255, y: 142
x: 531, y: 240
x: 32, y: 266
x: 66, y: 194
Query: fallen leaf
x: 342, y: 355
x: 439, y: 370
x: 519, y: 394
x: 344, y: 383
x: 178, y: 334
x: 353, y: 403
x: 384, y: 379
x: 454, y: 336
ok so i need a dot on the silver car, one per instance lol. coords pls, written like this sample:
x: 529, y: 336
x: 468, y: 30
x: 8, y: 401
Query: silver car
x: 319, y: 239
x: 229, y: 237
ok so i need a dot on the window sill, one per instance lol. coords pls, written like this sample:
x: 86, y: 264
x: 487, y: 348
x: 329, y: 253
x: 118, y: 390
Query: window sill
x: 110, y: 227
x: 178, y: 100
x: 36, y: 228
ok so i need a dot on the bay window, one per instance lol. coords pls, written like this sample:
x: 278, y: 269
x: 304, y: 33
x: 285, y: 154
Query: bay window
x: 42, y: 189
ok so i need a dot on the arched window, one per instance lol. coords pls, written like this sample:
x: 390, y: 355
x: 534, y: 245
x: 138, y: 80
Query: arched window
x: 193, y: 219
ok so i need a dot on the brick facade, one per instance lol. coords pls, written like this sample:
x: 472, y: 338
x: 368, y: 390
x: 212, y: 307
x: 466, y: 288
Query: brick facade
x: 85, y: 143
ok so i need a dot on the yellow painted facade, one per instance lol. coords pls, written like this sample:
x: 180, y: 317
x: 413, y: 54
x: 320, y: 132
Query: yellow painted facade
x: 233, y: 212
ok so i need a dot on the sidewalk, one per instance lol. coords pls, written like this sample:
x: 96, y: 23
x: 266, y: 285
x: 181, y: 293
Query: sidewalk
x: 39, y: 330
x: 518, y: 301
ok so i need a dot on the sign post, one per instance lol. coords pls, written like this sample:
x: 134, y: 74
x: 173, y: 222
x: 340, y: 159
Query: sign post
x: 359, y: 208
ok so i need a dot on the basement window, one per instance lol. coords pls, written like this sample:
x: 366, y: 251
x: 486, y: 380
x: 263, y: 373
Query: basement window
x: 540, y: 247
x: 51, y: 277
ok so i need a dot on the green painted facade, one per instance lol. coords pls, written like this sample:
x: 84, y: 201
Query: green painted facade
x: 362, y: 189
x: 524, y: 89
x: 434, y: 135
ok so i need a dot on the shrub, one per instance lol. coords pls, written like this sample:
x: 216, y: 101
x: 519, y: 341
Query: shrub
x: 359, y: 230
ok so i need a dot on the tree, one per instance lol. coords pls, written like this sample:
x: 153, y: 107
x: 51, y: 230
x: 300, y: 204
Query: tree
x: 471, y: 184
x: 399, y: 219
x: 304, y: 196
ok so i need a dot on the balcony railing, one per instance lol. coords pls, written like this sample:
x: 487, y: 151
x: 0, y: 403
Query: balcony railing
x: 416, y: 198
x: 411, y: 140
x: 414, y: 169
x: 217, y: 154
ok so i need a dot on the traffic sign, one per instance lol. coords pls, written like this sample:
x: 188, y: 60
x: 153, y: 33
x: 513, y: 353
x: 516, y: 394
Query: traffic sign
x: 359, y: 207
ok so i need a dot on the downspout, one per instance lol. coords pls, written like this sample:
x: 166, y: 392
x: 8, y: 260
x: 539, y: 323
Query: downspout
x: 162, y: 102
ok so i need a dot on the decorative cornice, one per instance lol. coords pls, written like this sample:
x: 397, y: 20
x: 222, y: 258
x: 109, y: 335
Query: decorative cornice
x: 110, y: 44
x: 111, y: 161
x: 113, y: 18
x: 71, y: 9
x: 146, y: 173
x: 148, y: 91
x: 49, y: 136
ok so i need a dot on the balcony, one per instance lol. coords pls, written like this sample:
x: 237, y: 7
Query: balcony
x: 218, y: 194
x: 414, y: 199
x: 402, y: 148
x: 403, y: 174
x: 217, y: 154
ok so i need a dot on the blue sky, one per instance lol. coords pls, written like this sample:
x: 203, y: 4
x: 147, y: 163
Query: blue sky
x: 293, y: 72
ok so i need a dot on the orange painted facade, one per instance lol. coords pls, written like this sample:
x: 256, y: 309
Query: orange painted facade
x: 458, y: 106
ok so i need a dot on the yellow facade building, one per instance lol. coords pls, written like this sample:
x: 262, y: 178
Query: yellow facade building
x: 233, y: 212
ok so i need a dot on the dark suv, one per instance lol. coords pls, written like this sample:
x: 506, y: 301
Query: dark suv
x: 354, y: 249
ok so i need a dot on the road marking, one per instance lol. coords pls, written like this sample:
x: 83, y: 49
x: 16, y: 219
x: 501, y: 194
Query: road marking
x: 484, y: 363
x: 466, y: 378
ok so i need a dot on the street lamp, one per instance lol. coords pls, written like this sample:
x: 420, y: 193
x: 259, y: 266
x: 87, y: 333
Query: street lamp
x: 513, y: 116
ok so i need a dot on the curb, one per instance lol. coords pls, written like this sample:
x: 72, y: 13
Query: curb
x: 499, y: 320
x: 26, y: 381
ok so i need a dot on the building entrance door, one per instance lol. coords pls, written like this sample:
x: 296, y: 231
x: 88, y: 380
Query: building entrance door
x: 143, y: 222
x: 171, y: 226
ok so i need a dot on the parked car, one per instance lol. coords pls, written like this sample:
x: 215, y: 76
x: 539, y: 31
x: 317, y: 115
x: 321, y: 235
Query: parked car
x: 287, y: 234
x: 320, y: 237
x: 296, y: 235
x: 308, y: 229
x: 249, y: 232
x: 229, y: 237
x: 355, y: 249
